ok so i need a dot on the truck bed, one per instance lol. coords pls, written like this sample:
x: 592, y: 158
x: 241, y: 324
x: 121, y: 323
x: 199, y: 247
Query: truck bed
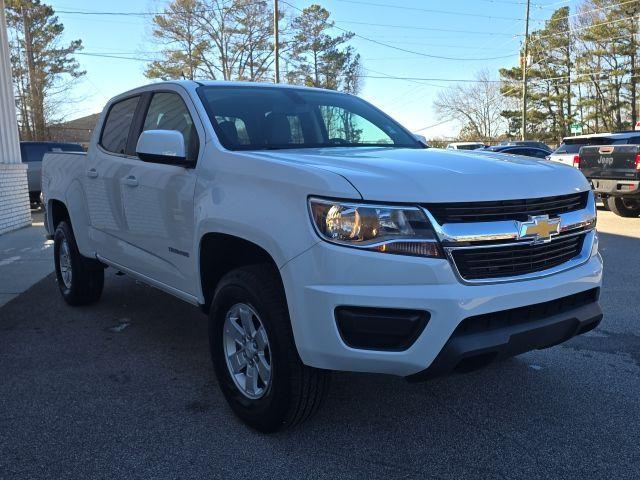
x: 60, y: 170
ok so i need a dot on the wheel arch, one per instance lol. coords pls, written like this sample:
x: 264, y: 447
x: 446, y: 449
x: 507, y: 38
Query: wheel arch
x: 57, y: 212
x: 219, y: 253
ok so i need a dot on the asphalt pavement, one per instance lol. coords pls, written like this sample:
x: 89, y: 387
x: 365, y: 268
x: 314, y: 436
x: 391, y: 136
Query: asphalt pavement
x: 125, y: 389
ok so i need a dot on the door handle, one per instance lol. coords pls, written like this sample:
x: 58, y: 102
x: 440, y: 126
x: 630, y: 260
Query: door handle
x: 92, y: 173
x: 131, y: 181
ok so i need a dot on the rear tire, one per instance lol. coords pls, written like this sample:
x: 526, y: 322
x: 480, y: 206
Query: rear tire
x: 288, y: 392
x: 80, y: 279
x: 624, y: 207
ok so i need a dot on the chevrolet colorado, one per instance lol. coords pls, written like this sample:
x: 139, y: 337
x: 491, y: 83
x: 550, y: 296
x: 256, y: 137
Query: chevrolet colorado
x: 319, y: 234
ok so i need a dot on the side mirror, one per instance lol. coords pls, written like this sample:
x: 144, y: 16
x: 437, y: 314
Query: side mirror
x: 163, y: 146
x: 421, y: 138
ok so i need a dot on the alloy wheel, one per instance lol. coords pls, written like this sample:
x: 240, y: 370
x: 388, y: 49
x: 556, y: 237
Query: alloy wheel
x: 65, y: 263
x: 246, y: 350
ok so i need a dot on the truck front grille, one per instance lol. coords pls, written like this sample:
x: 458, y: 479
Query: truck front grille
x: 515, y: 259
x: 506, y: 209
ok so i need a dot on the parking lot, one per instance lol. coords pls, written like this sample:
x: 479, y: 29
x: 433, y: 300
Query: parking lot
x: 125, y: 389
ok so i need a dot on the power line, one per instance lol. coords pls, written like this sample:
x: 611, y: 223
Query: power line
x: 570, y: 31
x: 428, y: 10
x: 148, y: 14
x: 418, y: 79
x: 505, y: 2
x: 601, y: 74
x: 551, y: 5
x: 606, y: 7
x: 377, y: 42
x: 107, y: 55
x: 588, y: 27
x: 434, y: 125
x: 479, y: 15
x: 410, y: 27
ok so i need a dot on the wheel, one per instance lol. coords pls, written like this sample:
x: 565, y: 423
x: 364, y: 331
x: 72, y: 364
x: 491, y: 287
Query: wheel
x: 80, y: 279
x: 624, y: 207
x: 254, y: 355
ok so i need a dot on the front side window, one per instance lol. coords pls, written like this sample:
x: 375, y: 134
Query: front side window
x: 167, y: 111
x: 265, y: 118
x: 117, y: 125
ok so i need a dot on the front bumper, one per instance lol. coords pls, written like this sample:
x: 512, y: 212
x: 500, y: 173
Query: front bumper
x: 328, y: 276
x: 511, y: 332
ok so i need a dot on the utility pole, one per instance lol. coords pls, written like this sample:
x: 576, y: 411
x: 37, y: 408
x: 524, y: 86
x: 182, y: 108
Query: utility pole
x: 632, y: 10
x: 276, y: 42
x: 524, y: 73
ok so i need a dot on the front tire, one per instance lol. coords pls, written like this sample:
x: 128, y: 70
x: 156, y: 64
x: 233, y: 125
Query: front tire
x: 254, y: 355
x: 624, y: 207
x: 80, y: 279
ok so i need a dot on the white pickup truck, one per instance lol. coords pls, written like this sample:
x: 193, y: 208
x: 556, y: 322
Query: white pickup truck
x: 319, y: 234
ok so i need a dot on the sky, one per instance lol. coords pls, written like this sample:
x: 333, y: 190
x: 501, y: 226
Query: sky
x: 470, y: 32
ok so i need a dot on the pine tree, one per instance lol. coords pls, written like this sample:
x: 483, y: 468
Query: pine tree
x: 319, y: 59
x: 550, y: 68
x: 42, y: 68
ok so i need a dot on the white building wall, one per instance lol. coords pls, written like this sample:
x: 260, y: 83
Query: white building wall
x: 14, y: 194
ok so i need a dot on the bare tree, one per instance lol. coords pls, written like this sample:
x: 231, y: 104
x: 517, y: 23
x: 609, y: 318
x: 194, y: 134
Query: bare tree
x: 477, y: 107
x: 213, y: 39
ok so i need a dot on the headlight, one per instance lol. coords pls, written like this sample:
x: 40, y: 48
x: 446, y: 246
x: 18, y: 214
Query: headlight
x: 386, y: 229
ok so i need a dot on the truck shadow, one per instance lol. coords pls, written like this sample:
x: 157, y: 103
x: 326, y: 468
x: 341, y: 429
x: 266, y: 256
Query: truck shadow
x: 139, y: 361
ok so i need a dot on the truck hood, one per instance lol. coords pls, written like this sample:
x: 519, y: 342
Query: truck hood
x: 435, y: 175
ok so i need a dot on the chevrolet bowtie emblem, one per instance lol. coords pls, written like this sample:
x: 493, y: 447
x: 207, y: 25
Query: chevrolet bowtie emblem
x: 539, y: 228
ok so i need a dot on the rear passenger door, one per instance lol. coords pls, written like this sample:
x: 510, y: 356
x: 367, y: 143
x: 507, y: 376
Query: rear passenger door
x: 105, y: 165
x: 157, y: 199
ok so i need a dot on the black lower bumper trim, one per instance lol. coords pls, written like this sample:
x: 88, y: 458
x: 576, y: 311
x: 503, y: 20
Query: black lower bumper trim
x: 476, y: 349
x: 385, y: 329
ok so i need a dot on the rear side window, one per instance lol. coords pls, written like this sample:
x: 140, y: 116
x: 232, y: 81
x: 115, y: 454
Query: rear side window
x: 117, y: 126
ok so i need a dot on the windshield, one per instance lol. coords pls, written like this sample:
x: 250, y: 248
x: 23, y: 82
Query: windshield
x: 264, y: 118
